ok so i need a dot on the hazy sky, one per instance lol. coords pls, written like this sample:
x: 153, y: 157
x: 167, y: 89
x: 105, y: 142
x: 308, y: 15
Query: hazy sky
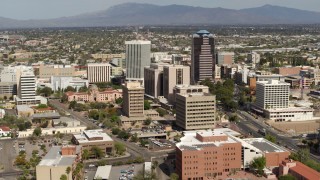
x: 42, y: 9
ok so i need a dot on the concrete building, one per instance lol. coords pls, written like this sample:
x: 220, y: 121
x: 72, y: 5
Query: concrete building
x: 206, y: 155
x: 153, y: 79
x: 8, y: 74
x: 189, y: 89
x: 174, y: 75
x: 253, y: 58
x: 137, y: 57
x: 99, y: 72
x: 8, y: 89
x: 46, y: 71
x: 287, y: 71
x: 177, y: 59
x: 290, y: 114
x: 272, y: 94
x: 298, y: 170
x: 94, y: 138
x: 225, y: 58
x: 58, y: 82
x: 103, y: 173
x: 133, y: 99
x: 5, y: 131
x: 202, y: 56
x: 56, y: 161
x: 53, y: 131
x: 196, y: 110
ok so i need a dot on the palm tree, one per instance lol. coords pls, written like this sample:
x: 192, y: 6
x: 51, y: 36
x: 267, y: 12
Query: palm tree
x: 68, y: 170
x: 85, y: 154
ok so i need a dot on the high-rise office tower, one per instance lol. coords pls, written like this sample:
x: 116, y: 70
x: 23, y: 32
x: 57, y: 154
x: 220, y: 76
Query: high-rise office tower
x: 99, y: 72
x: 153, y: 79
x: 27, y: 86
x: 272, y: 94
x: 203, y: 56
x: 174, y: 75
x: 137, y: 57
x: 133, y: 99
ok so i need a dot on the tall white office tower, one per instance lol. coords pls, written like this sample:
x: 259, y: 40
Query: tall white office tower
x: 99, y: 72
x: 137, y: 57
x: 27, y: 86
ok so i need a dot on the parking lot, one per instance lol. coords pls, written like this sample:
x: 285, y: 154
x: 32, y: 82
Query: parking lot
x: 8, y: 154
x: 125, y: 172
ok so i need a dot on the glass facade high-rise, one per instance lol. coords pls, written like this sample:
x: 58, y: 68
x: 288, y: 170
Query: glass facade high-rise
x: 203, y: 56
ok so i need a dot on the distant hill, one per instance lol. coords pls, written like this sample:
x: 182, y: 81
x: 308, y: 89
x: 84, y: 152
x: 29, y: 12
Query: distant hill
x: 147, y: 14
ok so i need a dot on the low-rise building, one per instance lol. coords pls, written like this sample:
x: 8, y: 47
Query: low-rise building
x: 94, y: 95
x: 56, y: 161
x: 298, y: 170
x: 103, y: 173
x: 5, y: 131
x: 94, y: 138
x: 53, y: 131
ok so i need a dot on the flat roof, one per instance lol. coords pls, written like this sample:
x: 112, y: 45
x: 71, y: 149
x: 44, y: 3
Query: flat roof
x: 190, y: 142
x: 54, y: 158
x: 83, y: 137
x: 264, y: 145
x: 53, y: 115
x: 23, y: 108
x: 290, y: 109
x: 103, y: 172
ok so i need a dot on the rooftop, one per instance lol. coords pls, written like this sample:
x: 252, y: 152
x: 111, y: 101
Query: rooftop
x: 291, y: 109
x: 189, y: 140
x: 54, y: 158
x: 103, y: 172
x: 272, y: 82
x: 88, y: 134
x: 264, y: 145
x: 138, y: 42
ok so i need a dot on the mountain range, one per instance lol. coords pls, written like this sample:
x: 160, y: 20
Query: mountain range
x: 148, y: 14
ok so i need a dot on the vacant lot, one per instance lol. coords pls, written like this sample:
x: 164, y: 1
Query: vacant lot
x: 295, y: 128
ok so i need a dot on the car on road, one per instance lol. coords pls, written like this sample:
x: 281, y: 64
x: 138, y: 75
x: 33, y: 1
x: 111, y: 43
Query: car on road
x: 91, y: 165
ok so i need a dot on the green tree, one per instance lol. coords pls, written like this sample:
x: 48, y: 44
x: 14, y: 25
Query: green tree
x: 46, y: 91
x: 233, y: 118
x: 72, y: 104
x: 63, y: 177
x: 83, y: 89
x: 70, y: 88
x: 174, y: 176
x: 97, y: 152
x: 68, y: 170
x: 134, y: 138
x: 146, y: 105
x: 287, y: 177
x: 302, y: 155
x: 40, y: 106
x: 119, y: 100
x: 120, y: 148
x: 270, y: 138
x: 161, y: 112
x: 85, y: 154
x: 123, y: 135
x: 258, y: 164
x: 37, y: 131
x: 115, y: 131
x: 147, y: 121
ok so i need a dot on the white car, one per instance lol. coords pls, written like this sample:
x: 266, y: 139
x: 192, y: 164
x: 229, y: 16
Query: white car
x: 91, y: 165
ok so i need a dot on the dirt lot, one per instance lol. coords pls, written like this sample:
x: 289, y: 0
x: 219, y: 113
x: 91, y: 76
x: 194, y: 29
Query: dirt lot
x: 295, y: 128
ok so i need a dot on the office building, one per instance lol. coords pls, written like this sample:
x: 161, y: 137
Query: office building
x: 177, y: 59
x: 207, y: 155
x: 272, y: 94
x: 153, y: 80
x: 133, y: 99
x: 174, y: 75
x: 27, y: 86
x: 297, y: 170
x: 188, y: 89
x: 196, y: 110
x: 46, y: 71
x: 98, y: 73
x: 137, y: 57
x: 56, y: 161
x: 203, y: 56
x: 254, y: 58
x: 225, y: 58
x: 210, y: 154
x: 94, y: 138
x: 8, y: 89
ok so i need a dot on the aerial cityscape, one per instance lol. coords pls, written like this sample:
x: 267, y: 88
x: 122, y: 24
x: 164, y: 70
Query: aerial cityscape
x: 161, y: 92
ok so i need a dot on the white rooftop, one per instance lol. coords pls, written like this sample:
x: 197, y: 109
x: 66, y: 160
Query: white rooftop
x: 54, y: 158
x: 103, y: 172
x: 264, y: 145
x: 138, y: 42
x: 86, y: 135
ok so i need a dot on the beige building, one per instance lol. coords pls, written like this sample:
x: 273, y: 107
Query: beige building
x: 108, y: 56
x: 99, y: 72
x: 174, y: 75
x: 196, y: 110
x: 153, y: 79
x: 188, y: 89
x: 56, y: 161
x: 133, y: 99
x: 94, y: 138
x: 55, y: 70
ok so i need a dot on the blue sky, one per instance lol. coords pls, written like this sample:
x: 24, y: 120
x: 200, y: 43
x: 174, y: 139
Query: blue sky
x: 43, y: 9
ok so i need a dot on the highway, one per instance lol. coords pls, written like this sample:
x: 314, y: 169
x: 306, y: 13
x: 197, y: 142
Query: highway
x: 248, y: 124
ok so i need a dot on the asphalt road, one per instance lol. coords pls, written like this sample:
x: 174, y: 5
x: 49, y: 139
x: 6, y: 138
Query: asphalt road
x: 247, y: 122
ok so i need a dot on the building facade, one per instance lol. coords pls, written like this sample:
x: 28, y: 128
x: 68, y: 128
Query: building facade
x: 272, y: 94
x: 27, y: 86
x: 153, y: 80
x: 97, y: 73
x: 133, y: 99
x: 225, y: 58
x: 196, y: 110
x: 46, y: 71
x: 254, y: 58
x: 137, y: 57
x: 174, y: 75
x: 203, y: 56
x: 58, y: 82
